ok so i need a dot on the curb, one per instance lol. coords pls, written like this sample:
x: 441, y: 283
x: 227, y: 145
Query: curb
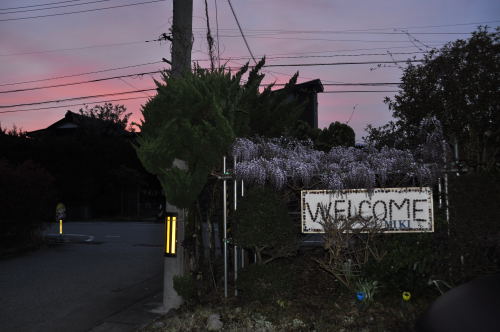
x: 133, y: 318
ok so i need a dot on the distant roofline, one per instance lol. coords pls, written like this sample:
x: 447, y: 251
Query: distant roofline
x: 312, y: 85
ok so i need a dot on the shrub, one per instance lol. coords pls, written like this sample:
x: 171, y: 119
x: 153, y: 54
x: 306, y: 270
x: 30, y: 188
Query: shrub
x: 263, y: 224
x: 474, y: 225
x: 185, y: 286
x: 349, y: 245
x: 272, y: 283
x: 407, y: 265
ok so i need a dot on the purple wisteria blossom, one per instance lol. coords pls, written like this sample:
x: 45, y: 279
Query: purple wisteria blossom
x: 279, y: 162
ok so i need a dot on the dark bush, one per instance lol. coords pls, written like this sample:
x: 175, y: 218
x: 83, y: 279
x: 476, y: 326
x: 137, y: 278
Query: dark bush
x: 263, y: 224
x: 185, y: 286
x: 408, y: 263
x: 268, y: 283
x: 475, y: 225
x: 471, y: 249
x: 27, y: 202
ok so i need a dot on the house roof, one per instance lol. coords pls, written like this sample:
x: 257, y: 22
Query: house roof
x: 71, y: 121
x: 309, y: 86
x: 313, y: 86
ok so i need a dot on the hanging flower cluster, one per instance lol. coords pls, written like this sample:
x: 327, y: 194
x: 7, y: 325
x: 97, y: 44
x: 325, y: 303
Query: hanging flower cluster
x: 283, y: 161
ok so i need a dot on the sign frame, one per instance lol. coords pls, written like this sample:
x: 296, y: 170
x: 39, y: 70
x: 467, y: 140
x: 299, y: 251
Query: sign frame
x: 330, y: 195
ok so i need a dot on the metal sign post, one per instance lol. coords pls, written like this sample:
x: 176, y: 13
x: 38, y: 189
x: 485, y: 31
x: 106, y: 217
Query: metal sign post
x: 242, y: 250
x: 235, y: 189
x: 224, y: 203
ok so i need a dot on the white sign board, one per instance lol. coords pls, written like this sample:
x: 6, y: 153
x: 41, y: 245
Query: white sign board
x: 394, y: 209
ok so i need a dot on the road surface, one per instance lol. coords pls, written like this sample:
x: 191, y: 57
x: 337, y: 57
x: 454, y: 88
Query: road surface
x: 76, y: 286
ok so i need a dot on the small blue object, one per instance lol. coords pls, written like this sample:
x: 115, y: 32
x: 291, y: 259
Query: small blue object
x: 360, y: 296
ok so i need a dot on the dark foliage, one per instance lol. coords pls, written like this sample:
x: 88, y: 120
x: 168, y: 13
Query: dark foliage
x: 458, y: 85
x: 409, y: 261
x: 186, y: 287
x: 337, y: 134
x: 195, y: 118
x: 27, y: 202
x: 262, y: 223
x: 475, y: 226
x: 95, y: 168
x: 268, y: 283
x: 105, y: 119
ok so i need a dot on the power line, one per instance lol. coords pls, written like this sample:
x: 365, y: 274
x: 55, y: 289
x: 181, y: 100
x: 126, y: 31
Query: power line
x: 338, y: 63
x: 42, y: 4
x: 356, y: 91
x: 229, y: 59
x: 217, y: 27
x: 326, y: 39
x: 351, y: 50
x: 278, y: 32
x: 328, y: 56
x: 63, y: 6
x: 82, y: 74
x: 133, y: 87
x: 156, y: 72
x: 241, y: 31
x: 439, y: 26
x: 70, y: 105
x: 81, y: 82
x: 76, y: 98
x: 231, y: 68
x: 344, y: 84
x: 377, y: 28
x: 142, y: 97
x: 154, y: 40
x: 77, y: 48
x: 80, y: 11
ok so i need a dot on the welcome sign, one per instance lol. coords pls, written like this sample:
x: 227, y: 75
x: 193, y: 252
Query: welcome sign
x: 395, y: 210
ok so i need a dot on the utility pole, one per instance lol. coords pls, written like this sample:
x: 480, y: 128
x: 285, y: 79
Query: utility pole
x: 182, y: 39
x: 182, y: 36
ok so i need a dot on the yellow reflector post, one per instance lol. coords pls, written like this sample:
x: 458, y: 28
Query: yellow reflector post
x: 60, y: 226
x: 174, y: 223
x: 167, y: 239
x: 170, y: 235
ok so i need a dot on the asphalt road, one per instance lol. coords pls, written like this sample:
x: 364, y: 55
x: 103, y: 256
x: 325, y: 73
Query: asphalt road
x: 77, y: 285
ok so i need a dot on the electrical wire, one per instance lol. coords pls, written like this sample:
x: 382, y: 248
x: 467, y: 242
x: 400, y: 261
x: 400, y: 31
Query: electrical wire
x: 63, y: 6
x: 39, y: 5
x: 217, y: 27
x: 70, y: 105
x: 327, y: 56
x: 159, y: 71
x: 337, y: 63
x: 82, y: 74
x: 133, y: 87
x: 374, y: 29
x: 356, y: 91
x: 76, y: 98
x: 81, y: 82
x: 290, y: 32
x: 76, y: 48
x: 241, y: 31
x: 142, y: 97
x: 326, y: 39
x: 344, y: 84
x: 80, y: 11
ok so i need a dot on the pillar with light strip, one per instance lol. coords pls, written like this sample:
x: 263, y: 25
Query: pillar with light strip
x: 170, y: 235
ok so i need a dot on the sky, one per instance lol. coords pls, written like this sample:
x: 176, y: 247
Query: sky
x: 92, y: 44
